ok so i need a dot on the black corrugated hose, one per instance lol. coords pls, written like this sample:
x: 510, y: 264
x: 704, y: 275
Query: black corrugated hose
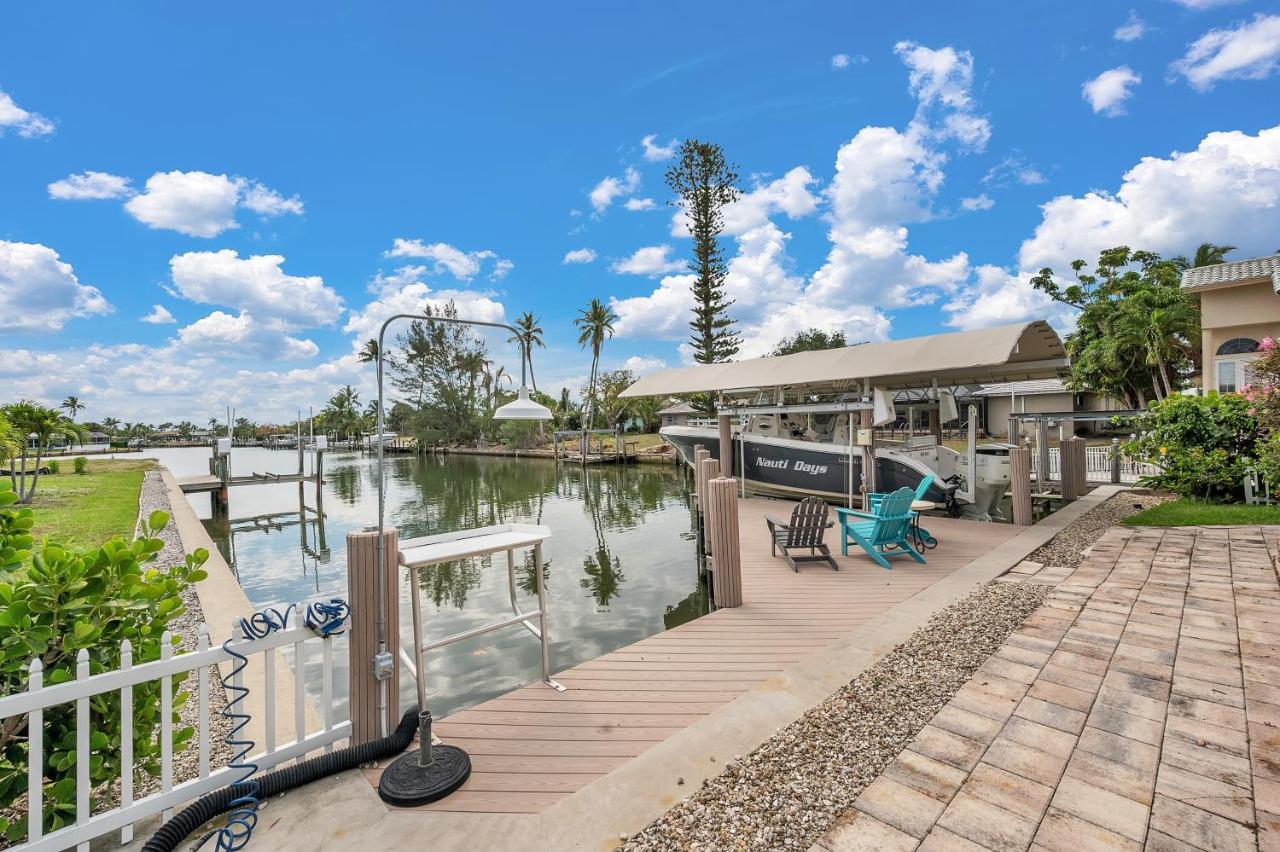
x: 279, y: 781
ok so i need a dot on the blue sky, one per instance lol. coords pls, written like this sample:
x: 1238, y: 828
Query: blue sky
x: 277, y: 179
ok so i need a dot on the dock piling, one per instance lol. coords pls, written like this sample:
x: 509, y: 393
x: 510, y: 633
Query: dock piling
x: 1020, y: 484
x: 362, y: 595
x: 722, y: 508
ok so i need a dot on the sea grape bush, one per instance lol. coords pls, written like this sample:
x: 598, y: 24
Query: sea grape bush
x: 1204, y: 445
x: 56, y: 599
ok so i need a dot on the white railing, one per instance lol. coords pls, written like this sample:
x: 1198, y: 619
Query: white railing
x: 1097, y: 461
x: 89, y: 826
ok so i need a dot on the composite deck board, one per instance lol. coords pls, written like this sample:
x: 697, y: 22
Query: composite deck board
x: 534, y: 745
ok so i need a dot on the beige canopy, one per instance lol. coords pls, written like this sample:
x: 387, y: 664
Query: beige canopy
x: 1007, y: 353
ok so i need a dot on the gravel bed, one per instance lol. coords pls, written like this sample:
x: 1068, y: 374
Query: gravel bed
x: 785, y: 794
x: 186, y: 762
x: 1068, y: 547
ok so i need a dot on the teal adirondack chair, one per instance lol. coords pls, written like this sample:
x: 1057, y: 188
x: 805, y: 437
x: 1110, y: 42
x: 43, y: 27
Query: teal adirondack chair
x: 883, y: 533
x: 926, y: 538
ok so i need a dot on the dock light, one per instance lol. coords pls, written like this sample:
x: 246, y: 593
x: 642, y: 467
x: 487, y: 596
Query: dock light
x: 522, y: 408
x: 433, y: 771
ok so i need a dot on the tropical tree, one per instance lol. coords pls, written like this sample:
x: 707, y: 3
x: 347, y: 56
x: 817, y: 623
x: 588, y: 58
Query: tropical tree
x: 595, y: 324
x: 72, y: 405
x: 612, y: 407
x: 110, y: 424
x: 704, y: 184
x: 1114, y: 349
x: 341, y: 413
x: 437, y: 370
x: 42, y: 424
x: 810, y: 340
x: 368, y: 353
x: 528, y: 335
x: 10, y: 439
x: 1207, y: 254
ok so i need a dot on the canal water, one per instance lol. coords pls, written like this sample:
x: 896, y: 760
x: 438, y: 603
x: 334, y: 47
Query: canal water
x: 620, y: 566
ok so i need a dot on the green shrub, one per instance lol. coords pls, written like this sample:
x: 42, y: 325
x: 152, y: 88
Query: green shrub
x: 79, y: 463
x: 56, y: 600
x: 1204, y: 445
x: 54, y: 467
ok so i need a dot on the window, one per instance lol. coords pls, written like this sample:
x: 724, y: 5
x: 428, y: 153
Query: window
x: 1238, y: 346
x: 1232, y: 363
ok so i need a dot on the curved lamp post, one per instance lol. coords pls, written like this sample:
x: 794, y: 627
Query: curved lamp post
x: 439, y: 771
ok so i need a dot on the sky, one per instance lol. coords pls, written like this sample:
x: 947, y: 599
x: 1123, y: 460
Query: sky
x: 201, y: 208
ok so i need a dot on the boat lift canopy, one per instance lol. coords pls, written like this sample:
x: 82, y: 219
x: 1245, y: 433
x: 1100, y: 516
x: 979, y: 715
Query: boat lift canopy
x: 1019, y: 352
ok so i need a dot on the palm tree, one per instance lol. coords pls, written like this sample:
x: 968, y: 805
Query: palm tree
x: 1207, y: 254
x: 595, y: 324
x: 1164, y: 326
x: 368, y: 353
x: 529, y: 335
x: 110, y: 424
x: 73, y: 406
x: 33, y: 420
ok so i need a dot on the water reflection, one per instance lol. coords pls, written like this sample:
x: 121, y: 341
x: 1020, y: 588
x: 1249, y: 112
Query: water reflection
x: 620, y: 565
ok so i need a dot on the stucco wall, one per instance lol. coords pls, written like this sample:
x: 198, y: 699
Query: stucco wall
x: 1247, y: 310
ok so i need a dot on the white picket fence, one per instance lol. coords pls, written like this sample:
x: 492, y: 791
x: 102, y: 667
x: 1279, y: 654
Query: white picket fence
x: 89, y: 826
x: 1097, y: 462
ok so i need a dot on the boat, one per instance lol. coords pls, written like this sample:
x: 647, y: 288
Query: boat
x: 797, y: 416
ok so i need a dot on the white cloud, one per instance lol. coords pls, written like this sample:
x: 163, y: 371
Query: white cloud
x: 642, y: 364
x: 1227, y: 190
x: 636, y: 204
x: 159, y: 316
x: 650, y: 260
x: 655, y: 152
x: 40, y: 292
x: 90, y: 184
x: 257, y: 285
x: 27, y: 124
x: 221, y: 334
x: 1107, y: 92
x: 941, y: 81
x: 462, y: 265
x: 19, y: 362
x: 582, y: 255
x: 788, y: 194
x: 201, y: 204
x: 267, y: 202
x: 403, y: 292
x: 1132, y: 29
x: 1249, y: 51
x: 1204, y: 4
x: 603, y: 194
x: 844, y: 60
x: 663, y: 314
x: 1013, y: 169
x: 977, y: 202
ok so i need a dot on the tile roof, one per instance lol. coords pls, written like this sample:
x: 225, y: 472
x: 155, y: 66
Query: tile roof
x: 678, y: 408
x: 1241, y: 270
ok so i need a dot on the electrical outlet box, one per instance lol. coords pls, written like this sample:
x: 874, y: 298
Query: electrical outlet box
x: 224, y: 446
x: 866, y: 437
x: 383, y: 665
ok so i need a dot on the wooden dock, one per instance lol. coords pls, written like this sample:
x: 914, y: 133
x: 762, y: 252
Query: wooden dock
x: 534, y: 746
x: 208, y: 482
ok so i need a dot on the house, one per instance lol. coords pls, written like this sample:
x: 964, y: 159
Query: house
x: 1046, y: 396
x: 98, y: 439
x: 677, y: 414
x: 1239, y: 306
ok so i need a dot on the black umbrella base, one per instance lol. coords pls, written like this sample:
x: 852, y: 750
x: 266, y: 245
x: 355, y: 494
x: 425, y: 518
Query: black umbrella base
x: 405, y: 784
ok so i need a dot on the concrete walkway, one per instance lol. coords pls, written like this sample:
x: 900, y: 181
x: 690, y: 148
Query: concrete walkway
x: 1138, y: 707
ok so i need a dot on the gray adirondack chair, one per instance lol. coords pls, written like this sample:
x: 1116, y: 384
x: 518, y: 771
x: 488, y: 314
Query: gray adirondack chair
x: 803, y: 532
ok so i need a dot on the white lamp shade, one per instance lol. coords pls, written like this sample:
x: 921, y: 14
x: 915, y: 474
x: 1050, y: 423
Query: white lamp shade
x: 522, y: 408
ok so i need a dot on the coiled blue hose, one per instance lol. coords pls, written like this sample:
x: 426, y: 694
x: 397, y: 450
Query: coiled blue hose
x: 324, y: 618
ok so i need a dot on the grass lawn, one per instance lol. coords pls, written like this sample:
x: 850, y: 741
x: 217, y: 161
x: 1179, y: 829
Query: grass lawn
x: 1187, y: 512
x: 90, y: 508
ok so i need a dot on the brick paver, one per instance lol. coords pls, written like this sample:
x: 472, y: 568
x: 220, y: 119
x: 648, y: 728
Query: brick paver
x: 1139, y: 707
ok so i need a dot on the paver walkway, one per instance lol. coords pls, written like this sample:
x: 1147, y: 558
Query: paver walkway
x: 1139, y: 706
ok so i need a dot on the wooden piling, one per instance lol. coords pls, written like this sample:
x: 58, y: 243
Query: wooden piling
x: 1020, y: 484
x: 362, y: 595
x: 725, y: 455
x: 708, y: 469
x: 1080, y: 459
x: 699, y: 453
x: 722, y: 517
x: 1042, y: 450
x: 1067, y: 471
x: 1115, y: 461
